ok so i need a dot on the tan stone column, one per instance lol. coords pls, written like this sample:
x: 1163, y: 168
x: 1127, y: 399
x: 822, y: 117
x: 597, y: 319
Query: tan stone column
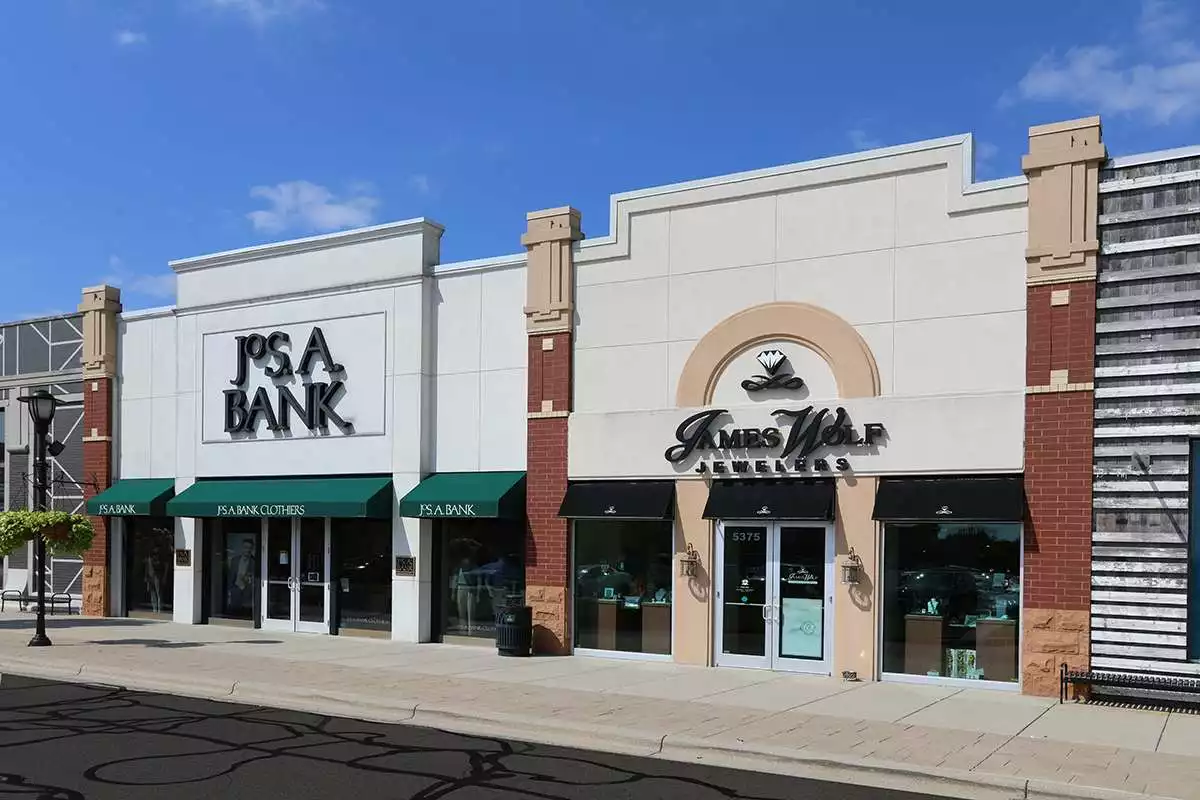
x: 1063, y: 167
x: 100, y: 307
x: 549, y: 315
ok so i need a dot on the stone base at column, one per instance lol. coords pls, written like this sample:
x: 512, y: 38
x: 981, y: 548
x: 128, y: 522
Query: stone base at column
x: 1052, y: 637
x: 549, y: 604
x: 95, y: 591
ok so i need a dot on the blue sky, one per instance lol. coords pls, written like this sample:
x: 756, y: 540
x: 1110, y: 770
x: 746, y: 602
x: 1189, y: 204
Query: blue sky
x: 139, y: 131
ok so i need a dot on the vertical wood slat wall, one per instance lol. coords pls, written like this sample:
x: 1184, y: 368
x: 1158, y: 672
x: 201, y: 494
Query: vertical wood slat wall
x: 1147, y: 401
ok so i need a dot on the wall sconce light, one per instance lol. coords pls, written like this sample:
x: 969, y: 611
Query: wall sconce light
x: 851, y: 568
x: 688, y: 562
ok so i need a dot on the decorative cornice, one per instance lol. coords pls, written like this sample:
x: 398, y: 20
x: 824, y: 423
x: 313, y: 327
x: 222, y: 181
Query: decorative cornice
x: 954, y: 153
x: 1063, y: 167
x: 308, y: 244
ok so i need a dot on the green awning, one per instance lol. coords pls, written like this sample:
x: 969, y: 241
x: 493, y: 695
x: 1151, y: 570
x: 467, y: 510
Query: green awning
x: 467, y: 494
x: 133, y: 497
x: 286, y: 497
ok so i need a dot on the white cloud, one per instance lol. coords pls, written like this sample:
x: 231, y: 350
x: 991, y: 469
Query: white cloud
x: 309, y: 207
x: 264, y: 12
x: 1156, y: 76
x: 157, y: 285
x: 859, y: 139
x: 128, y: 38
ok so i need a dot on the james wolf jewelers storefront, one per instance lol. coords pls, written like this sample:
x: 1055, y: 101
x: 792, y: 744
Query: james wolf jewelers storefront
x: 812, y: 458
x: 299, y: 443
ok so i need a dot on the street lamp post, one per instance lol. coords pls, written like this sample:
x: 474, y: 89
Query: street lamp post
x: 42, y: 405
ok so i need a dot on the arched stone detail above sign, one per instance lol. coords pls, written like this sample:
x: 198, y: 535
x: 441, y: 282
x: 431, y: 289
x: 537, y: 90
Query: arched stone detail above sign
x: 847, y: 354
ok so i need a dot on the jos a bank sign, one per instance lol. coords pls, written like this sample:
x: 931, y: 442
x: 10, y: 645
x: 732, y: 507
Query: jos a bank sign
x: 315, y: 408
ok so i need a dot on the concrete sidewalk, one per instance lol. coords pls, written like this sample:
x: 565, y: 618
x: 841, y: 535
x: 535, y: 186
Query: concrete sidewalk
x: 957, y: 742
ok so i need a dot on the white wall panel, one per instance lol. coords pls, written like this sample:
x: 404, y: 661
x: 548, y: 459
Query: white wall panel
x: 502, y: 422
x: 960, y: 354
x: 698, y: 302
x: 922, y: 212
x: 163, y: 432
x: 409, y: 319
x: 135, y: 436
x: 881, y: 341
x: 457, y: 431
x: 302, y: 271
x: 164, y: 358
x: 837, y: 218
x: 134, y: 358
x: 621, y: 378
x: 407, y: 433
x: 972, y: 276
x: 503, y: 338
x: 736, y: 233
x: 649, y: 252
x: 458, y: 308
x: 857, y: 287
x: 631, y: 312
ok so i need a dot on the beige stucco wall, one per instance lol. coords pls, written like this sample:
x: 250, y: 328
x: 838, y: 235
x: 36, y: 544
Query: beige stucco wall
x: 857, y: 375
x: 693, y: 595
x: 854, y: 605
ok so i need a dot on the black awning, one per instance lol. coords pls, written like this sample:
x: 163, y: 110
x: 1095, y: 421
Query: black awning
x: 993, y: 498
x: 619, y: 500
x: 770, y: 499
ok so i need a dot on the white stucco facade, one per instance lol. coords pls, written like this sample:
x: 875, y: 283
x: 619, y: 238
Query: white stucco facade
x: 926, y: 266
x: 424, y: 351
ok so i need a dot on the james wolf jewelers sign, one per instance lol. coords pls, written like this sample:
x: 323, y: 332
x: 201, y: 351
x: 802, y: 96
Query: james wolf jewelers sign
x: 315, y: 408
x: 800, y: 433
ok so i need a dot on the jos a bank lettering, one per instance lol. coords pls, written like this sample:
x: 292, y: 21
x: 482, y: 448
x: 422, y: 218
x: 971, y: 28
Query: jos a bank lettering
x: 315, y: 410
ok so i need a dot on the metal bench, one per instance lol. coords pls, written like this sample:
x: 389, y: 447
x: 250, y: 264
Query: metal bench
x: 1183, y: 690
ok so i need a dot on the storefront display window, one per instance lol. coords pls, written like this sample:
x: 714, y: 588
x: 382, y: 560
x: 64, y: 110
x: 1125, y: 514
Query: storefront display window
x: 149, y: 566
x: 952, y: 600
x: 233, y: 548
x: 362, y: 573
x: 622, y: 574
x: 481, y: 571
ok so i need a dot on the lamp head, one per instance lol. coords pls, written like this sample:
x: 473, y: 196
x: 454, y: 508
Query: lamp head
x: 42, y: 405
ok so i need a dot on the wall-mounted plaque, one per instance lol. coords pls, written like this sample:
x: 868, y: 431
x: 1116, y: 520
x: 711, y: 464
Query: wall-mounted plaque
x: 183, y: 558
x: 406, y: 566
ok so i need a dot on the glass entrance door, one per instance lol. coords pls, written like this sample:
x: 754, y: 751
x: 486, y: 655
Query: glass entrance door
x: 295, y: 580
x: 775, y: 597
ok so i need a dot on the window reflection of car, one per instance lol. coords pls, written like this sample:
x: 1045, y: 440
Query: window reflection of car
x: 500, y: 572
x: 593, y: 579
x: 955, y: 589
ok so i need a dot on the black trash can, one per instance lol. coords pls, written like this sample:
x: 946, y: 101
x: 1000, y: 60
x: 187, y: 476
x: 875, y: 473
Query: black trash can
x: 514, y: 631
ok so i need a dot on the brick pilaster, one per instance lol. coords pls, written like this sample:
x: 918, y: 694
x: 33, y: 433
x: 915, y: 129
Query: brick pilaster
x: 100, y: 308
x: 549, y: 310
x: 1062, y: 166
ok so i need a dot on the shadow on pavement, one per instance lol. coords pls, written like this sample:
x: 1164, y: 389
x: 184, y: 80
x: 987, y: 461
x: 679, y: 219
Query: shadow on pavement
x: 73, y: 741
x: 74, y: 621
x: 169, y: 644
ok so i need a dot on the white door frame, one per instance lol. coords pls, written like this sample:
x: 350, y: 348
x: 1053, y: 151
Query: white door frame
x: 772, y: 607
x: 296, y: 579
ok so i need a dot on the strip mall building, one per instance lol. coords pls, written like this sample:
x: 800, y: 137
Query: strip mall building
x: 834, y: 417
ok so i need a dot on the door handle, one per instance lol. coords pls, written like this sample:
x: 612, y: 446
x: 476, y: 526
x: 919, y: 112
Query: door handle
x: 291, y: 584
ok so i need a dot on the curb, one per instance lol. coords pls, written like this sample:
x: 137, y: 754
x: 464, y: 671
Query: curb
x: 561, y: 733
